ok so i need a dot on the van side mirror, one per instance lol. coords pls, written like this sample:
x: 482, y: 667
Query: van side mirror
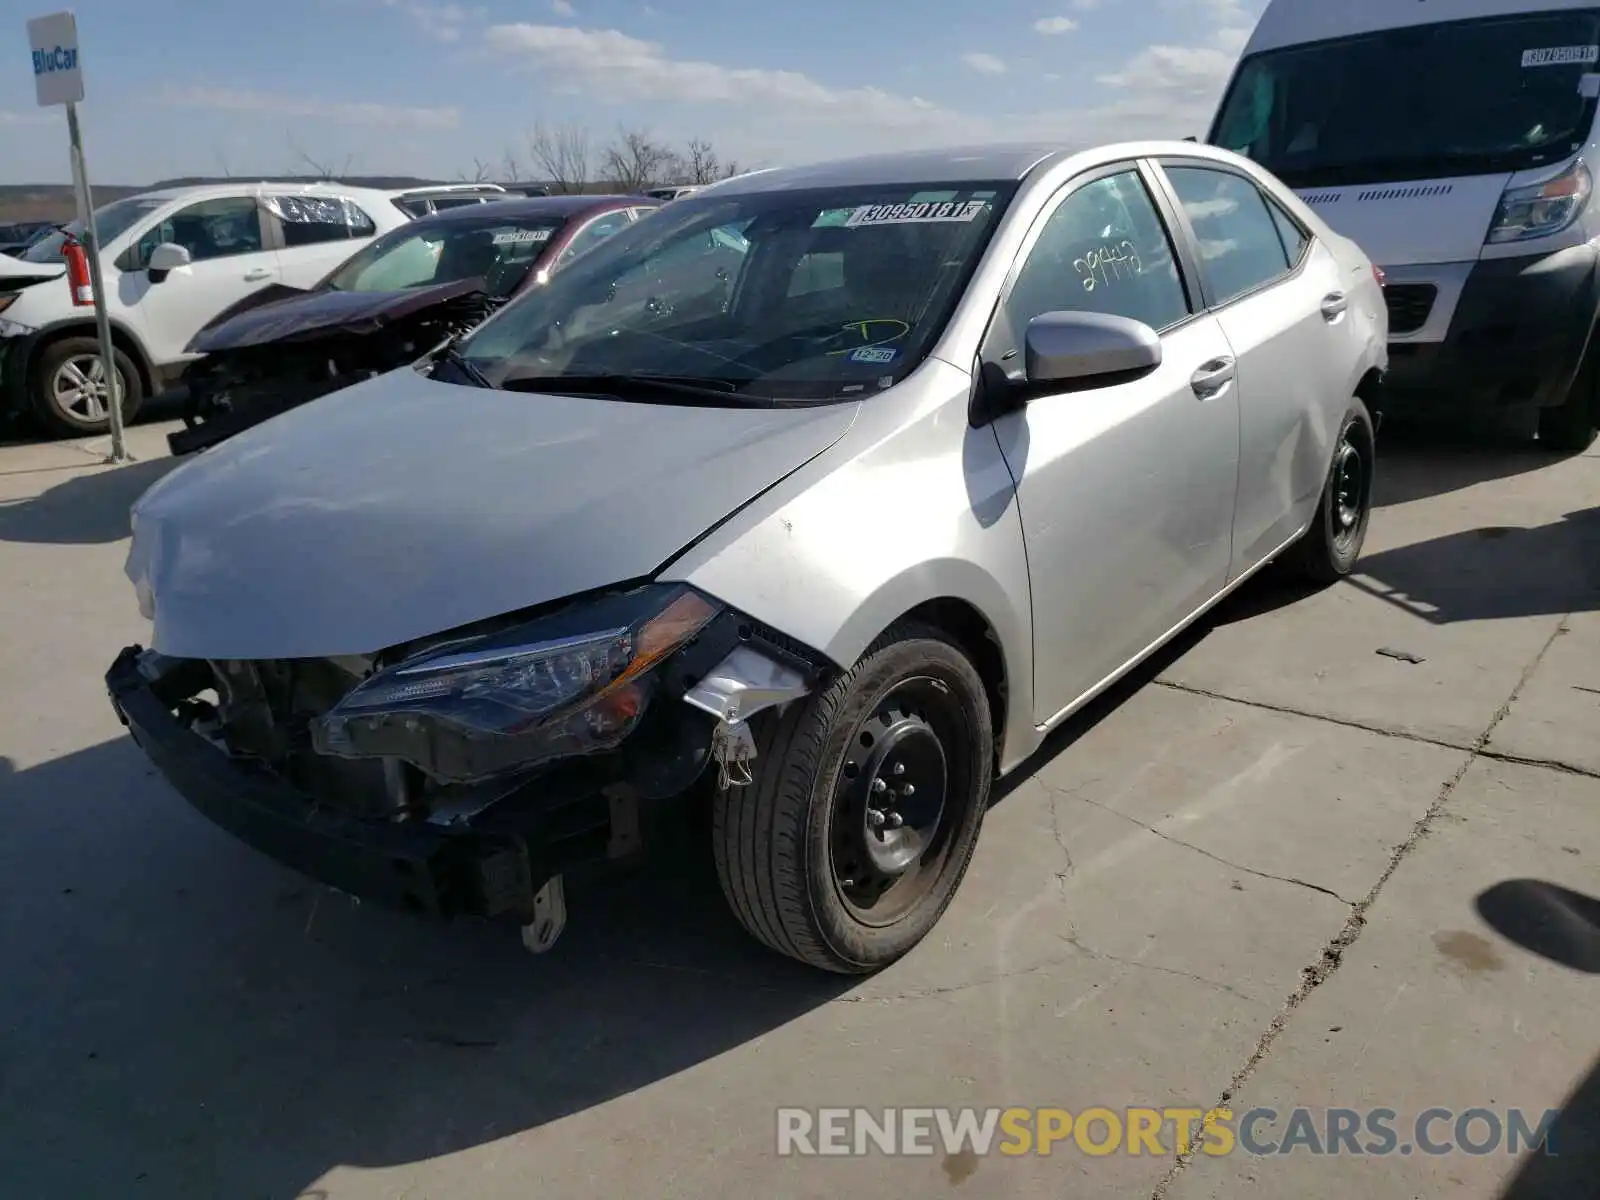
x: 168, y: 256
x: 1075, y: 350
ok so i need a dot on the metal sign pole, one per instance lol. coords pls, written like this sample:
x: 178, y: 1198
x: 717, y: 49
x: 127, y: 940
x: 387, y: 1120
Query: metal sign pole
x: 102, y: 320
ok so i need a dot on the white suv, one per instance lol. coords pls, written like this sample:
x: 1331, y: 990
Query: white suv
x: 172, y: 260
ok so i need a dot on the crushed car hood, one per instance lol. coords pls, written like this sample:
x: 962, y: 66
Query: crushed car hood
x: 313, y: 314
x: 404, y: 507
x: 15, y: 272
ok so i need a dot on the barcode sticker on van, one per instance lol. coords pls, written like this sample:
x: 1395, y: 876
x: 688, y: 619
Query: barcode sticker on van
x: 1561, y: 56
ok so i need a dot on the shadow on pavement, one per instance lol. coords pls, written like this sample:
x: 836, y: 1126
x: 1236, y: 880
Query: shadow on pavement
x: 1415, y: 463
x: 20, y: 429
x: 1562, y: 926
x: 87, y: 509
x: 189, y: 1019
x: 1492, y: 573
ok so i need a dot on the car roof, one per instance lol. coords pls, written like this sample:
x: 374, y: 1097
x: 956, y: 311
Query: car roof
x: 1296, y: 22
x: 237, y: 187
x: 954, y: 164
x: 532, y: 207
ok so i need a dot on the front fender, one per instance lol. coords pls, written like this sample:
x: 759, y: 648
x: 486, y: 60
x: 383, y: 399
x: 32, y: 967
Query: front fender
x: 911, y: 506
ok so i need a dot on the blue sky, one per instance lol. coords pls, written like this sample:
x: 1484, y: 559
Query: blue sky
x: 421, y: 87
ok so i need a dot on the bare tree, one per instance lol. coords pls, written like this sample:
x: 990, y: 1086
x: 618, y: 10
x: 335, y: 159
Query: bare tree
x: 320, y: 168
x: 700, y: 163
x: 635, y: 161
x: 222, y: 164
x: 511, y: 167
x: 480, y: 172
x: 562, y: 155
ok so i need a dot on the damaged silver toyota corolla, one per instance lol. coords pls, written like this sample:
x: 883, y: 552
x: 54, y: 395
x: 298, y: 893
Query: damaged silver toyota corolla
x: 817, y: 498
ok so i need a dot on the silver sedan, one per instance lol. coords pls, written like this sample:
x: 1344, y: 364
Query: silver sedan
x: 816, y: 499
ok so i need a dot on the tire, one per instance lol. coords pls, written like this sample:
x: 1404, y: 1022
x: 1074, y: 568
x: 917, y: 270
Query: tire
x: 1569, y: 427
x: 795, y: 848
x: 48, y: 380
x: 1330, y: 548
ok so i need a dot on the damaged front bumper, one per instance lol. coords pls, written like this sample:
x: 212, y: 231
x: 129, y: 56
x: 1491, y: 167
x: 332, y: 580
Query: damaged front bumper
x: 486, y: 847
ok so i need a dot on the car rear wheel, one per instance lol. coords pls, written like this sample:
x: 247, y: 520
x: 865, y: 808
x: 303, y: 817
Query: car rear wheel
x: 867, y: 797
x: 68, y: 388
x: 1330, y: 548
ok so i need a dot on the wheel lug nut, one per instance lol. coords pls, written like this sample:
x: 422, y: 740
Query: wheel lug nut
x: 909, y: 789
x: 876, y: 819
x: 879, y: 787
x: 894, y: 820
x: 899, y: 768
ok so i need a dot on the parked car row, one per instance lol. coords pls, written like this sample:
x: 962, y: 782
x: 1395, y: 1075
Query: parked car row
x: 174, y: 260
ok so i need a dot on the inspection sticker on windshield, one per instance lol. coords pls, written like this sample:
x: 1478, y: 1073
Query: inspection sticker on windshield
x: 1589, y: 85
x: 521, y: 237
x: 874, y: 354
x: 913, y: 214
x: 1561, y: 56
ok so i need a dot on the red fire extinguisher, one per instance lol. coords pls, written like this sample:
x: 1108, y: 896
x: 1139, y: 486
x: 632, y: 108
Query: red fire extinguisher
x: 77, y: 259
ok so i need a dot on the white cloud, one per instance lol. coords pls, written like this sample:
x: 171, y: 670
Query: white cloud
x: 1052, y: 26
x: 440, y: 21
x: 987, y: 64
x: 623, y: 68
x: 267, y: 103
x: 562, y: 8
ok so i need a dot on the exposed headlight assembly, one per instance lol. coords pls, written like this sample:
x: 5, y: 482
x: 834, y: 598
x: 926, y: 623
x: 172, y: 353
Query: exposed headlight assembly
x: 1541, y: 209
x: 573, y: 683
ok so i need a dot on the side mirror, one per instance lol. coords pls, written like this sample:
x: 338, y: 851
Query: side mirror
x: 1074, y: 350
x: 168, y: 256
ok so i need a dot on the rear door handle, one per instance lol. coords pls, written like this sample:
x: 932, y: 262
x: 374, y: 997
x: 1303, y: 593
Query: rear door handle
x: 1213, y: 376
x: 258, y: 273
x: 1334, y: 305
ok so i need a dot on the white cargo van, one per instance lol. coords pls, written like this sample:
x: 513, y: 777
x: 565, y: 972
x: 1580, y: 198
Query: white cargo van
x: 1455, y: 141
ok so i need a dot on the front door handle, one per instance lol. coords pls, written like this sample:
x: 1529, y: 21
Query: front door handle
x: 1213, y: 376
x: 258, y: 273
x: 1334, y: 305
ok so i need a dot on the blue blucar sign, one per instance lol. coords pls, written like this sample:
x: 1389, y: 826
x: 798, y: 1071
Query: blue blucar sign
x: 57, y: 71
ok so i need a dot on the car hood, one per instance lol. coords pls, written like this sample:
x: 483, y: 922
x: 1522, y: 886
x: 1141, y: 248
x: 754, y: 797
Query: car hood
x: 14, y: 271
x: 1422, y: 221
x: 404, y: 507
x: 311, y: 314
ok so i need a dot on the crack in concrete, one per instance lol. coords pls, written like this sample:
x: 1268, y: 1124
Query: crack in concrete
x: 1141, y: 965
x: 1217, y: 858
x: 1331, y: 958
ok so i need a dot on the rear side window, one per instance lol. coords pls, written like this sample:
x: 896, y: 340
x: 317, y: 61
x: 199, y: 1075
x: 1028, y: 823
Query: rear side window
x: 1294, y: 238
x: 1104, y: 249
x: 311, y: 220
x: 1239, y: 243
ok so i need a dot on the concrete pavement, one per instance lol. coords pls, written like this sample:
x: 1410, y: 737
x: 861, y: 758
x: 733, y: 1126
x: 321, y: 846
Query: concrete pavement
x: 1336, y: 849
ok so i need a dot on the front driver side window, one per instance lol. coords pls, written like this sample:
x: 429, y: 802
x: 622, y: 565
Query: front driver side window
x: 209, y: 229
x: 1104, y: 249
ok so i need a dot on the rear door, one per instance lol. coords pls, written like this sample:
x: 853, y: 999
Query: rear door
x: 1281, y: 301
x: 314, y: 234
x: 1126, y: 490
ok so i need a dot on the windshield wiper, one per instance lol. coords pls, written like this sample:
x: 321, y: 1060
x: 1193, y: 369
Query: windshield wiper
x: 449, y: 354
x: 703, y: 387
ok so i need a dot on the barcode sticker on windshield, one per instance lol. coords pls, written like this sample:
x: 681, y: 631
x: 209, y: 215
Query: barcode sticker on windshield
x: 1561, y: 56
x: 915, y: 214
x: 518, y: 237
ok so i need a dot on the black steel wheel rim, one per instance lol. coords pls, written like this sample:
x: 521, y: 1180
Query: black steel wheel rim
x: 1351, y: 483
x: 897, y: 801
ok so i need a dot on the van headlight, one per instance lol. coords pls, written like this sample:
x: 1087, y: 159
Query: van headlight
x: 575, y: 682
x: 1541, y: 209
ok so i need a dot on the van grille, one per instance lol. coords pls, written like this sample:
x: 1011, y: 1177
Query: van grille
x: 1409, y: 305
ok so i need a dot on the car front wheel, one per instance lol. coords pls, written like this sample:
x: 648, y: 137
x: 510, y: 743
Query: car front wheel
x: 69, y: 392
x: 864, y: 809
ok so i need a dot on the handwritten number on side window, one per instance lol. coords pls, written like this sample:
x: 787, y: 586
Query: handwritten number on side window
x: 1108, y: 264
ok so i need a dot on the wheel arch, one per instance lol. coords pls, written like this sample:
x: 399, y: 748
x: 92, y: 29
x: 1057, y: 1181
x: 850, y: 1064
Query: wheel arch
x: 122, y: 337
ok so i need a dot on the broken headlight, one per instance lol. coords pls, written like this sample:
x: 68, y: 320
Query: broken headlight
x: 572, y: 683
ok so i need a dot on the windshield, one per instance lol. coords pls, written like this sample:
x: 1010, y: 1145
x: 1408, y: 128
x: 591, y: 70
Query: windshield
x: 110, y: 222
x: 500, y: 251
x: 784, y: 294
x: 1464, y: 98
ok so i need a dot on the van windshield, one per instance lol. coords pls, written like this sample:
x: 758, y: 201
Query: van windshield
x: 1424, y: 102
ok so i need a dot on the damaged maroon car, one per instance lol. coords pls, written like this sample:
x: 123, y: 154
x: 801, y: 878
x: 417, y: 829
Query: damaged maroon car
x: 395, y: 299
